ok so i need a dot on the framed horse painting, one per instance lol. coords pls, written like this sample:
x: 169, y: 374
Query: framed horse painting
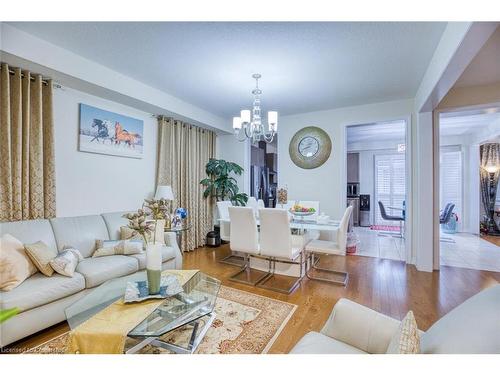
x: 110, y: 133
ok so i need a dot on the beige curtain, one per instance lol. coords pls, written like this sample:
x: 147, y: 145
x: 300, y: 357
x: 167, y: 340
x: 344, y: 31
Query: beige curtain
x: 27, y: 178
x: 184, y: 150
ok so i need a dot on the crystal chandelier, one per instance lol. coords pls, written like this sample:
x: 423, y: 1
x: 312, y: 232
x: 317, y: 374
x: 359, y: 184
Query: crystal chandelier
x: 249, y: 124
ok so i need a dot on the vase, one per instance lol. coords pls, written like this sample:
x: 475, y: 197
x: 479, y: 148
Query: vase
x: 153, y: 267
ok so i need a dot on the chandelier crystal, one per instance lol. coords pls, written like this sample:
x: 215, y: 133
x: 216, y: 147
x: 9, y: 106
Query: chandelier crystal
x: 250, y: 123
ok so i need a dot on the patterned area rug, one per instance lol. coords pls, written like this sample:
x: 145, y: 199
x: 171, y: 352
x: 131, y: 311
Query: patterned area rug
x: 246, y: 323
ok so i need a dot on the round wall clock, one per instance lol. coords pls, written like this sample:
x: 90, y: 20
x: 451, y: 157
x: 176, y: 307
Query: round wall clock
x: 310, y: 147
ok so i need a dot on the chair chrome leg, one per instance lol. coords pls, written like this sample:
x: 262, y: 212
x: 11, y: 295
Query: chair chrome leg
x: 344, y: 275
x: 294, y: 286
x: 246, y: 268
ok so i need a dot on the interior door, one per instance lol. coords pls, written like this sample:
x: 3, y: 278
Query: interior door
x: 390, y: 184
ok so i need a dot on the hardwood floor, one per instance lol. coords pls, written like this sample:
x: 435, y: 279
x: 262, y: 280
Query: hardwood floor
x: 495, y: 240
x: 388, y: 286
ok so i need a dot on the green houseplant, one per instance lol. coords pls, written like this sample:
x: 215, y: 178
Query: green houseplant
x: 220, y: 184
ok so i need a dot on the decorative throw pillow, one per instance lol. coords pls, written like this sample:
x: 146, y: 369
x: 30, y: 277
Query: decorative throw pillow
x: 65, y: 263
x: 41, y: 255
x: 15, y: 265
x: 126, y: 247
x: 128, y: 234
x: 407, y: 338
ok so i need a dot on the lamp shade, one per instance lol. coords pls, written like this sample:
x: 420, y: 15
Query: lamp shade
x: 272, y: 119
x: 245, y: 116
x: 236, y: 123
x: 164, y: 192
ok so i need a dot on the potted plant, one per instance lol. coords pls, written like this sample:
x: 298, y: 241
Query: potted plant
x: 220, y: 184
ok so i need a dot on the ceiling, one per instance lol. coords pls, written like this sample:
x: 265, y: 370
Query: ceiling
x: 377, y: 132
x: 484, y: 68
x: 305, y: 66
x: 459, y: 123
x: 468, y: 122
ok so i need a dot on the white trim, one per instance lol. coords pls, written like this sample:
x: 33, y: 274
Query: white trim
x: 410, y: 248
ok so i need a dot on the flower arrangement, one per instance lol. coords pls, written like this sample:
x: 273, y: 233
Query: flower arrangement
x: 137, y: 221
x: 158, y: 208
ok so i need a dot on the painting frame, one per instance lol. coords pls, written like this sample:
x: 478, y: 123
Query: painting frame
x: 109, y: 133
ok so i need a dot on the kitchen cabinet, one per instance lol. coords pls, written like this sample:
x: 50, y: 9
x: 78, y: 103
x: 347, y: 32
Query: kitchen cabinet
x: 352, y: 167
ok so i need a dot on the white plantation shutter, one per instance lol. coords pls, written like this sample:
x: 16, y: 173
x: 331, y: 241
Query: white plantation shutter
x: 390, y: 184
x: 451, y: 180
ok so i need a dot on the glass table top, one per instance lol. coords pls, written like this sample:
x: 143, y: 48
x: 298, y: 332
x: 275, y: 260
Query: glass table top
x: 182, y: 228
x: 196, y: 301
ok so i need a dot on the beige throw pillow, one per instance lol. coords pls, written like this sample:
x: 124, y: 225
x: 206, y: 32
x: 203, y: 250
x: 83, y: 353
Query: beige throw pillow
x: 65, y: 263
x: 125, y: 247
x: 41, y: 255
x: 407, y: 338
x: 15, y: 265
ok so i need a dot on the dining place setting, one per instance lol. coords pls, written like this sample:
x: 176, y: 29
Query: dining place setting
x: 287, y: 240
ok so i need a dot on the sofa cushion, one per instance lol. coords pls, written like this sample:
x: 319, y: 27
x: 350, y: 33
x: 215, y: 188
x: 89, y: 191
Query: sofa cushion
x: 30, y: 231
x: 79, y: 232
x: 115, y: 220
x: 39, y: 290
x: 167, y: 253
x: 317, y: 343
x: 98, y: 270
x: 470, y: 328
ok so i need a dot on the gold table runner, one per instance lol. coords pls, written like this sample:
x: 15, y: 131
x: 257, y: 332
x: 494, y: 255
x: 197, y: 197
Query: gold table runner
x: 106, y: 331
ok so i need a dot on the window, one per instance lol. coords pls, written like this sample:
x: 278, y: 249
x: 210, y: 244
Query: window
x: 390, y: 185
x: 451, y: 180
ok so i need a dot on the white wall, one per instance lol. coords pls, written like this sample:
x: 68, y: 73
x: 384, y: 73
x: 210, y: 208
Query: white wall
x: 92, y: 183
x: 328, y: 182
x: 230, y: 149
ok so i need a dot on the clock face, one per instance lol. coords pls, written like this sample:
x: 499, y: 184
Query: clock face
x: 308, y: 146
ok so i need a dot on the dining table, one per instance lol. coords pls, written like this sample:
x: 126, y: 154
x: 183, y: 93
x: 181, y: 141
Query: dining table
x: 303, y: 224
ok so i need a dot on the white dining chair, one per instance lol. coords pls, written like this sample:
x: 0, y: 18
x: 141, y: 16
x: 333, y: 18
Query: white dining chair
x: 279, y: 245
x: 254, y: 204
x: 234, y: 258
x: 245, y: 240
x: 322, y: 247
x: 225, y: 227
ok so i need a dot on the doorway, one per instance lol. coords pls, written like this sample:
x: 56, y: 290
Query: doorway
x: 463, y: 242
x: 376, y: 169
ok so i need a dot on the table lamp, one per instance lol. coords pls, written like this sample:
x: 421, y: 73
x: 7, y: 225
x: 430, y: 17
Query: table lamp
x: 165, y: 192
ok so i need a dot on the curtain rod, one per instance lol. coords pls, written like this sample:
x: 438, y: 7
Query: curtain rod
x: 12, y: 72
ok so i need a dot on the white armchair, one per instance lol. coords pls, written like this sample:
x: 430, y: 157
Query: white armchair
x: 351, y: 329
x: 470, y: 328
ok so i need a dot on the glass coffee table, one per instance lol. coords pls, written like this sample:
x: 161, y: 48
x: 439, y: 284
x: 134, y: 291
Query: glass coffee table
x: 192, y: 308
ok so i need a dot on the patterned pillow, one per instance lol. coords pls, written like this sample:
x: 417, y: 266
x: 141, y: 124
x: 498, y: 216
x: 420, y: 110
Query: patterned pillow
x: 41, y: 255
x: 407, y: 338
x: 127, y: 247
x: 65, y: 263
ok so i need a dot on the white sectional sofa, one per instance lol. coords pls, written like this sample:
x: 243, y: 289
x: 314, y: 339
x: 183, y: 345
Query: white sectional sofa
x: 43, y: 299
